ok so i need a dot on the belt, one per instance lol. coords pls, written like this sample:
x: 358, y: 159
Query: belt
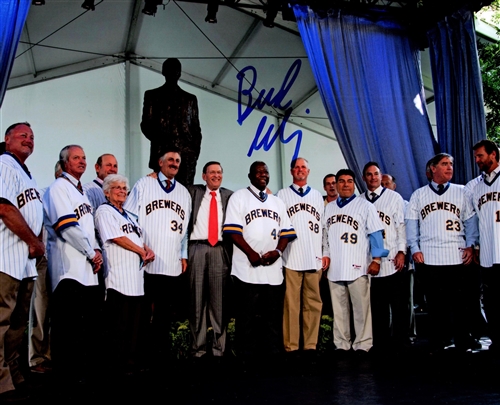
x: 204, y: 242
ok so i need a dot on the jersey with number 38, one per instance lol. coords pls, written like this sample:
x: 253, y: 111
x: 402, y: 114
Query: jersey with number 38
x: 348, y: 228
x: 163, y: 216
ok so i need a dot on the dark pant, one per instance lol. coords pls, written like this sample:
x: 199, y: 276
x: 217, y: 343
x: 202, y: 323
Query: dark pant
x: 166, y: 301
x: 125, y: 325
x: 491, y: 300
x: 445, y: 288
x: 259, y: 319
x: 390, y: 313
x: 76, y: 335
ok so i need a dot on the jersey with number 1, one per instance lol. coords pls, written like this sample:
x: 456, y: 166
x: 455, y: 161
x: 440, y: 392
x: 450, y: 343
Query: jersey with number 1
x: 441, y: 222
x: 486, y: 197
x: 349, y: 227
x: 163, y: 216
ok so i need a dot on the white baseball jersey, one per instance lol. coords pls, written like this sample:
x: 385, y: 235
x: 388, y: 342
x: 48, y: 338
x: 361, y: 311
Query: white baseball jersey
x: 390, y: 209
x: 306, y: 213
x: 17, y: 186
x: 348, y: 230
x: 94, y: 193
x: 123, y: 268
x: 486, y: 196
x: 164, y: 217
x: 65, y: 206
x: 441, y: 230
x: 262, y: 222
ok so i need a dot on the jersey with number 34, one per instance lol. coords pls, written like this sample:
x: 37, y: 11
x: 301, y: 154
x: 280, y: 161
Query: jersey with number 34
x: 164, y: 217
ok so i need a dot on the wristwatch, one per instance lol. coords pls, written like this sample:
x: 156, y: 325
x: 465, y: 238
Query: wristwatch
x: 378, y: 261
x: 279, y: 251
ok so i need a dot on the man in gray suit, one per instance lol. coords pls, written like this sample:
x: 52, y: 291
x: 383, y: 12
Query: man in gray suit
x: 209, y: 262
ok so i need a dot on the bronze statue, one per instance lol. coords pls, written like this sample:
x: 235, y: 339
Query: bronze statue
x: 170, y: 119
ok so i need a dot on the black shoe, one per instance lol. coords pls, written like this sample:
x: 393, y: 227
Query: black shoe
x: 14, y: 396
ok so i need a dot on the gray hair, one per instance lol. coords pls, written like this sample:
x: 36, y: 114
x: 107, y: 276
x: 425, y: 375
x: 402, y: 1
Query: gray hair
x: 64, y: 154
x: 114, y: 178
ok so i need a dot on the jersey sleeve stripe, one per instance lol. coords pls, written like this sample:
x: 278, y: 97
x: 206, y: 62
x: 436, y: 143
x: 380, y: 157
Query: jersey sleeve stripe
x: 65, y: 222
x: 233, y: 228
x: 288, y: 233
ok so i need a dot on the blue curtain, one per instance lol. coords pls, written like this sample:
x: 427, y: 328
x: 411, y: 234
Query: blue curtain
x: 12, y: 17
x: 458, y: 90
x: 368, y: 75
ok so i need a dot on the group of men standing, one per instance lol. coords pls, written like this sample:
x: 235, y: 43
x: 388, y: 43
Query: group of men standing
x: 276, y: 248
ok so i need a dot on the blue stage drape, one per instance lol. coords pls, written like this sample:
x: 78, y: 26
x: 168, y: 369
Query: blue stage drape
x: 458, y: 90
x: 368, y: 75
x: 12, y: 17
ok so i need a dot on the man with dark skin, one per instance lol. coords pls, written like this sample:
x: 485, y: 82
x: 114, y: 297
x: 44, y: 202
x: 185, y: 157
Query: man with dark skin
x: 170, y: 119
x: 260, y: 228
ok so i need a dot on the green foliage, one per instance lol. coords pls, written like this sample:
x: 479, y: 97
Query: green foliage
x: 489, y: 59
x: 325, y: 338
x: 180, y: 336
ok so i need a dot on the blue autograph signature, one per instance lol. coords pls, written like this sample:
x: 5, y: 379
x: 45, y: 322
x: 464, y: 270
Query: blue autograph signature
x: 265, y: 139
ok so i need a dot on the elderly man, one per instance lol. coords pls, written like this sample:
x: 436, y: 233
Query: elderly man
x: 162, y: 207
x: 486, y: 200
x: 388, y: 291
x: 260, y: 229
x: 106, y: 164
x: 74, y: 259
x: 304, y: 261
x: 354, y: 231
x: 442, y: 231
x: 21, y: 216
x: 209, y: 262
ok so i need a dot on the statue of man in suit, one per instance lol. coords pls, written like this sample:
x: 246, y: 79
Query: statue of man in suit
x: 170, y: 119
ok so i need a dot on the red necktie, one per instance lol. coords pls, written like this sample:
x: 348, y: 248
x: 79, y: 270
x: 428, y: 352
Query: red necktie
x: 213, y: 221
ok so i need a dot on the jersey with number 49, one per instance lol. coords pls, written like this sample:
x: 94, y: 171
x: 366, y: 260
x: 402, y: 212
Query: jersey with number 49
x: 440, y: 222
x: 348, y: 230
x: 163, y: 216
x: 306, y: 214
x: 486, y: 197
x: 261, y: 222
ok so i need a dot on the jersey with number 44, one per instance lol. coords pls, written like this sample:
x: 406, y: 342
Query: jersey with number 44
x: 348, y: 230
x: 163, y: 216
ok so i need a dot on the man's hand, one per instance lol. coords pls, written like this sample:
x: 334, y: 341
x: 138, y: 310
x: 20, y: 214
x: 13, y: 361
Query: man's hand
x: 36, y: 250
x: 325, y: 263
x: 373, y: 268
x: 270, y: 257
x: 467, y: 255
x: 418, y: 257
x: 399, y: 261
x: 97, y: 261
x: 255, y: 259
x: 184, y: 263
x: 149, y: 256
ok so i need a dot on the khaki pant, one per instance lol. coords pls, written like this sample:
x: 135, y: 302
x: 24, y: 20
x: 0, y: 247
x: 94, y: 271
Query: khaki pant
x: 302, y: 302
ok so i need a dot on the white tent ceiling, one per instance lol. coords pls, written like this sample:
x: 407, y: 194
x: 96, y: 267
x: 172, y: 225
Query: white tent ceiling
x: 61, y: 38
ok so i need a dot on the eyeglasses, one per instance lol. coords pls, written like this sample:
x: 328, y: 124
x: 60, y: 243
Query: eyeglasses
x: 124, y: 188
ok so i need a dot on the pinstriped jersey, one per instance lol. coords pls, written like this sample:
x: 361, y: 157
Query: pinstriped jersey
x: 64, y: 206
x: 262, y: 222
x: 123, y: 268
x: 20, y: 189
x: 94, y: 193
x: 164, y: 217
x: 348, y: 229
x: 486, y: 197
x: 390, y: 209
x: 440, y: 222
x: 306, y: 214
